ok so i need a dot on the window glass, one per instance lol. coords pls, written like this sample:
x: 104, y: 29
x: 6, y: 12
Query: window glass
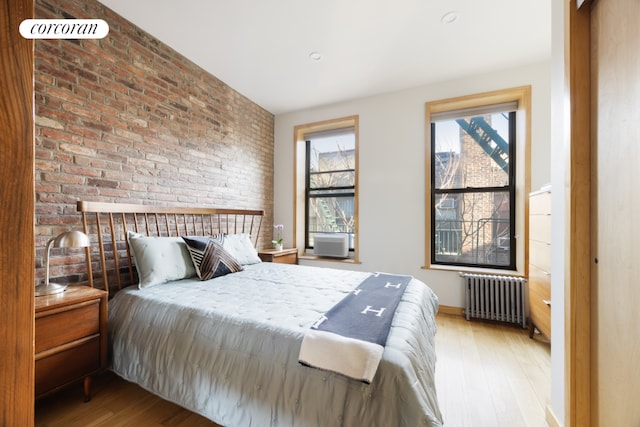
x: 330, y: 189
x: 472, y: 151
x: 473, y: 190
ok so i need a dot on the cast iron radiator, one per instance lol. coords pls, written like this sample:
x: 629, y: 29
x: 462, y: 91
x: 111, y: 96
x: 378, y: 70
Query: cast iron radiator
x: 500, y: 298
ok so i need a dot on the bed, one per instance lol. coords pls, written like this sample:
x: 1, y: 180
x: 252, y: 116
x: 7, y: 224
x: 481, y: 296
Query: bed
x: 228, y: 347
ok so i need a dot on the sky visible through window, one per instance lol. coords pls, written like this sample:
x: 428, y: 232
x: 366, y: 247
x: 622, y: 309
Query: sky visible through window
x: 331, y: 144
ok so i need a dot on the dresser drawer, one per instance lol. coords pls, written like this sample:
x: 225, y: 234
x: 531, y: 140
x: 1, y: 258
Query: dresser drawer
x: 540, y: 314
x: 539, y: 282
x: 540, y: 299
x: 540, y: 255
x: 80, y: 359
x: 540, y: 228
x: 540, y: 203
x: 56, y: 327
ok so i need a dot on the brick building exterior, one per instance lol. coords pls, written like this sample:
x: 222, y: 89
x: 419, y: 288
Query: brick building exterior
x: 472, y: 226
x: 481, y: 170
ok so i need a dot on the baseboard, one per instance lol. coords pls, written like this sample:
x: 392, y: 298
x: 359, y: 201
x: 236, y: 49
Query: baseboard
x: 551, y: 418
x: 454, y: 311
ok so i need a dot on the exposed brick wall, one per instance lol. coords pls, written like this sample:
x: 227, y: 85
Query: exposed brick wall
x: 128, y: 119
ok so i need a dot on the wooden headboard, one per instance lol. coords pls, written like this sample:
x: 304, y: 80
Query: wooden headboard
x: 110, y: 265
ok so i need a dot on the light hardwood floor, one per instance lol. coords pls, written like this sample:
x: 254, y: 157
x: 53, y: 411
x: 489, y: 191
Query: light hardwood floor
x: 487, y: 375
x: 491, y: 375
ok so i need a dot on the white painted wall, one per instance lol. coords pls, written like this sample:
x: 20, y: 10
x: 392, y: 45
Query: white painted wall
x: 560, y: 139
x: 392, y: 169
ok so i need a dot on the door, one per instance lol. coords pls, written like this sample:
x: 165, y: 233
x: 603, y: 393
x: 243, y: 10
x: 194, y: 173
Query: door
x: 615, y: 95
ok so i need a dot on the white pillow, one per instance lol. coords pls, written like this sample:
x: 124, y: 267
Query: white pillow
x: 160, y: 259
x: 241, y: 248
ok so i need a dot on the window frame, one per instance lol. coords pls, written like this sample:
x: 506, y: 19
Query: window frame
x: 510, y: 188
x: 522, y: 97
x: 300, y: 184
x: 308, y: 190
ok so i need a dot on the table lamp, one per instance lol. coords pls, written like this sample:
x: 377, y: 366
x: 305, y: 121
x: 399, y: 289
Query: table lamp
x: 68, y: 239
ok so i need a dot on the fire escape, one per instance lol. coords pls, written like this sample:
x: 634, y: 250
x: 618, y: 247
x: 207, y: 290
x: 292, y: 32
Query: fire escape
x: 489, y: 139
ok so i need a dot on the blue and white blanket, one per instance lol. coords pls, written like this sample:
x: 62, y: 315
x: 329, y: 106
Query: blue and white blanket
x: 349, y: 339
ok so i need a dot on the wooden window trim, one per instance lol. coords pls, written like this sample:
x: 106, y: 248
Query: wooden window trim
x: 299, y: 176
x: 522, y: 95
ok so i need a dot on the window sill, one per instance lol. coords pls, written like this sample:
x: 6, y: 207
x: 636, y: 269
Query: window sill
x: 311, y: 257
x: 473, y: 270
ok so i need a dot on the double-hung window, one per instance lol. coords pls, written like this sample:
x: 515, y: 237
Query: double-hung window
x: 474, y: 212
x: 330, y: 184
x: 327, y: 182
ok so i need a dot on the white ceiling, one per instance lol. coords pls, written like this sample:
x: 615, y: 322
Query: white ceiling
x: 261, y: 47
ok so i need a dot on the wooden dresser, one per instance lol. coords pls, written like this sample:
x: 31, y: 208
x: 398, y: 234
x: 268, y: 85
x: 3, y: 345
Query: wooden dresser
x: 71, y: 338
x: 540, y: 262
x: 285, y: 256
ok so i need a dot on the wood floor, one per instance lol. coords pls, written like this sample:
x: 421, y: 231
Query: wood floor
x: 490, y: 375
x: 487, y: 375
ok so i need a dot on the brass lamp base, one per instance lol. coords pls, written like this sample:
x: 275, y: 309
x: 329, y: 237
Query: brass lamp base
x: 50, y: 288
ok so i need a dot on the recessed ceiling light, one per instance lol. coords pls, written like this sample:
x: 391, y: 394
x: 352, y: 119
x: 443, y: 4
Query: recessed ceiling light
x: 449, y: 17
x: 315, y: 56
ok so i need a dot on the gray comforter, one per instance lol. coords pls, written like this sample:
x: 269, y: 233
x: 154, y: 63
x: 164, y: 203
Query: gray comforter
x: 228, y: 349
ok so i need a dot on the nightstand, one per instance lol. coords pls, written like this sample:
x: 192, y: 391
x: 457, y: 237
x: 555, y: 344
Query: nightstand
x: 71, y: 338
x: 285, y: 256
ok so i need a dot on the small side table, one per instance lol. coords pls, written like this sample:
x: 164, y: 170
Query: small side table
x: 71, y: 338
x: 285, y: 256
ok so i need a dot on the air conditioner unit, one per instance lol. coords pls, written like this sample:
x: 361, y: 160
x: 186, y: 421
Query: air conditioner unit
x: 335, y: 245
x: 504, y: 242
x: 447, y: 203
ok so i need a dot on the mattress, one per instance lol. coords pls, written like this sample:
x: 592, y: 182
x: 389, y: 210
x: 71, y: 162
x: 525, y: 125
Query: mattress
x: 228, y: 348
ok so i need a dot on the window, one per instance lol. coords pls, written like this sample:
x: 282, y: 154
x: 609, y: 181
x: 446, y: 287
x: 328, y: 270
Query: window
x: 330, y: 184
x: 475, y: 212
x: 326, y: 182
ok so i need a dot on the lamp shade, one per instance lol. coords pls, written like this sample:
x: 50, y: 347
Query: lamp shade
x: 68, y: 239
x: 71, y: 239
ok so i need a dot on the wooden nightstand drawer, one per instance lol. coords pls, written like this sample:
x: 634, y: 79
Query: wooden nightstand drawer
x: 59, y: 369
x: 56, y: 327
x: 287, y: 259
x: 285, y: 256
x: 71, y: 338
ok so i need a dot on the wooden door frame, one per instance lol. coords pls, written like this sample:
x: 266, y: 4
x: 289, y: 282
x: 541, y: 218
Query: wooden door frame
x: 578, y: 266
x: 17, y: 198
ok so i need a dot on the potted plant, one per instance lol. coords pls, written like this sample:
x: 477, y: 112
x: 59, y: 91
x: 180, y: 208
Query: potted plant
x: 278, y: 240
